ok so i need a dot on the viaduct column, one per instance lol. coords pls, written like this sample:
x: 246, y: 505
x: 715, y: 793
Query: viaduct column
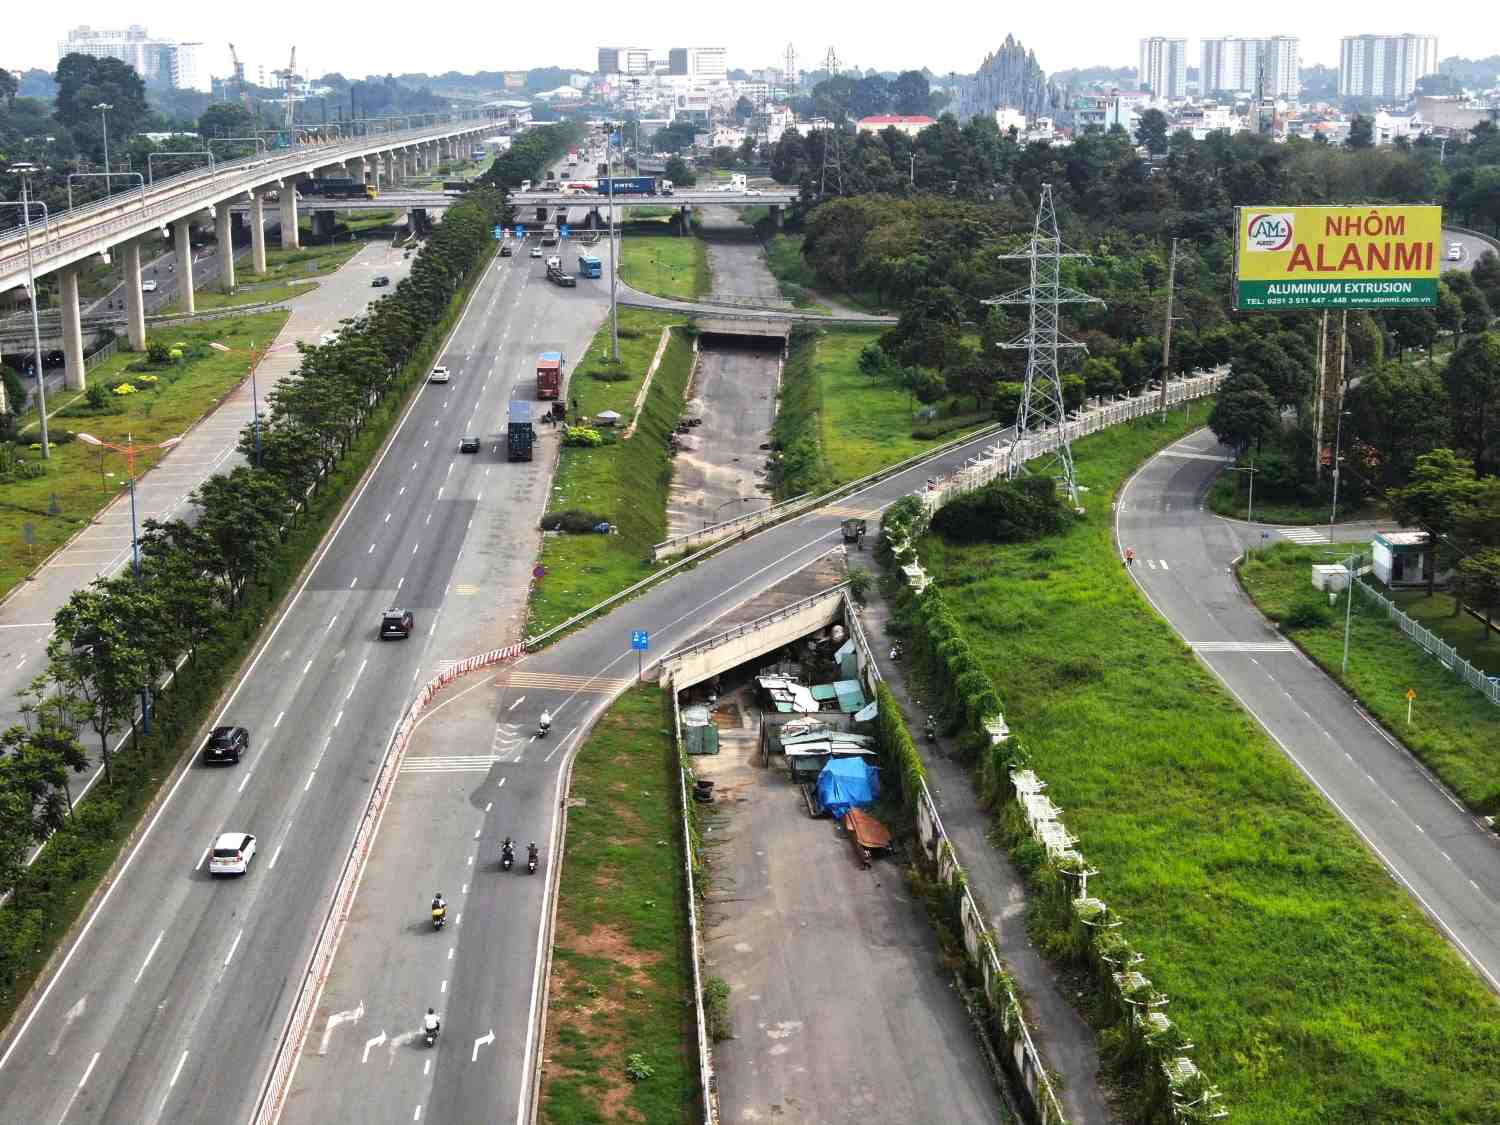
x: 72, y: 327
x: 257, y: 231
x: 288, y: 202
x: 355, y: 169
x: 224, y: 236
x: 184, y: 248
x: 135, y: 302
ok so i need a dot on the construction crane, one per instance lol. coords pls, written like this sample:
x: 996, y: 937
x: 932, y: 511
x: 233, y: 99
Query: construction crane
x: 288, y: 82
x: 238, y: 81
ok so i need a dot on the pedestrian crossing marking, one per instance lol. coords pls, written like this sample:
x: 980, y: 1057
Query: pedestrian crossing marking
x: 451, y: 763
x: 465, y: 590
x: 1307, y: 536
x: 1242, y: 646
x: 557, y: 681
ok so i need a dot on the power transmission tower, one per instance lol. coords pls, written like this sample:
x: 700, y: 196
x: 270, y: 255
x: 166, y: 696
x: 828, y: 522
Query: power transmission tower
x: 1042, y: 404
x: 789, y: 76
x: 833, y: 168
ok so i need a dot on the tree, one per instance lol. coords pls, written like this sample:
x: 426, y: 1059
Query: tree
x: 9, y: 84
x: 911, y: 94
x: 1441, y: 484
x: 82, y: 83
x: 679, y: 173
x: 1244, y: 412
x: 1477, y: 584
x: 96, y: 666
x: 1151, y: 131
x: 225, y: 119
x: 1397, y: 413
x: 923, y: 384
x: 1472, y: 378
x: 1486, y: 277
x: 241, y: 515
x: 1361, y: 132
x: 744, y: 110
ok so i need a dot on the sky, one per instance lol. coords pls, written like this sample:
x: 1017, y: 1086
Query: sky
x: 390, y: 37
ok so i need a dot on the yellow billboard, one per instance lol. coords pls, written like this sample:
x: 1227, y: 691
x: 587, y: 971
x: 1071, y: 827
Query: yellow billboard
x: 1368, y: 257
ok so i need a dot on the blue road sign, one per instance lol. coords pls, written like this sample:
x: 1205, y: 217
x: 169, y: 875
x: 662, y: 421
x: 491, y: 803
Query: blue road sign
x: 564, y: 231
x: 520, y: 231
x: 640, y: 640
x: 499, y: 233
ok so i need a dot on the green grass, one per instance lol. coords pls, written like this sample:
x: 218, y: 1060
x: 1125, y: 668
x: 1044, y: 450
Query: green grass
x: 1228, y: 494
x: 1467, y: 633
x: 361, y: 221
x: 621, y: 981
x: 790, y: 269
x: 625, y: 482
x: 205, y: 300
x: 70, y: 867
x: 308, y: 261
x: 835, y: 424
x: 665, y: 265
x: 184, y: 393
x: 1455, y: 731
x: 1315, y: 989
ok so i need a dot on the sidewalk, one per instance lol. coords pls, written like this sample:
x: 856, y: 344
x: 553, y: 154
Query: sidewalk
x: 1065, y: 1041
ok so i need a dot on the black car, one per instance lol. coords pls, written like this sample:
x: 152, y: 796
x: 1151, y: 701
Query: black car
x: 226, y: 744
x: 380, y: 281
x: 396, y: 623
x: 507, y: 250
x: 469, y: 443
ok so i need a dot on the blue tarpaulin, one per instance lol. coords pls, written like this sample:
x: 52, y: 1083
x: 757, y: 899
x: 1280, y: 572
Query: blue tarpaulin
x: 847, y: 783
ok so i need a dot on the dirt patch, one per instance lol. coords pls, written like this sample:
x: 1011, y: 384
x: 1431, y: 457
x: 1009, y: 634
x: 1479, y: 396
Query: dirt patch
x: 609, y: 944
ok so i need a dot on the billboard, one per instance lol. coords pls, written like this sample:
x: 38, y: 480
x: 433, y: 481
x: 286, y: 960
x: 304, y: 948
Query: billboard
x: 1370, y: 257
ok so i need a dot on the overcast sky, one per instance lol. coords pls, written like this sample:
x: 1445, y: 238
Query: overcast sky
x: 399, y: 37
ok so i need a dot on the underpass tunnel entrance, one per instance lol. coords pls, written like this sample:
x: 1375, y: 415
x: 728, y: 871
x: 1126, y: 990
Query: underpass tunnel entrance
x: 754, y: 335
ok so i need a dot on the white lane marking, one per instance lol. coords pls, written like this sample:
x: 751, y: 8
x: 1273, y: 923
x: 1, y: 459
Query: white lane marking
x: 1164, y: 565
x: 401, y: 491
x: 489, y: 805
x: 274, y: 857
x: 201, y: 858
x: 279, y: 717
x: 233, y: 946
x: 352, y: 581
x: 371, y: 551
x: 334, y: 1019
x: 428, y: 520
x: 375, y: 1042
x: 486, y: 1040
x: 387, y: 518
x: 414, y: 465
x: 306, y: 668
x: 450, y: 463
x: 500, y: 786
x: 439, y: 496
x: 245, y: 781
x: 78, y: 1009
x: 177, y: 1070
x: 442, y: 988
x: 331, y: 620
x: 517, y: 703
x: 310, y: 777
x: 417, y: 1116
x: 79, y: 1088
x: 470, y: 862
x: 400, y: 582
x: 415, y: 547
x: 338, y: 718
x: 425, y: 444
x: 149, y: 954
x: 426, y: 1066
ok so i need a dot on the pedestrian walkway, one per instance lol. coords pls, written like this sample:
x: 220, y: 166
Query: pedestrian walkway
x: 1307, y: 536
x: 1065, y: 1041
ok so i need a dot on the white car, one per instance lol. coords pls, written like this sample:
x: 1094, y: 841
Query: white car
x: 536, y: 251
x: 149, y: 285
x: 328, y: 338
x: 1455, y: 252
x: 439, y: 375
x: 232, y: 853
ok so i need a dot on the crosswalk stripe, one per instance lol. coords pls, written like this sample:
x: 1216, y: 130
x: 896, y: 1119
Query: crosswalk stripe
x: 1304, y: 535
x: 1243, y: 646
x: 437, y: 763
x: 559, y: 681
x: 847, y: 513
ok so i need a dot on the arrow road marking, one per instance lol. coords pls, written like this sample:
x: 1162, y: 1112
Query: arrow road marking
x: 397, y: 1042
x: 486, y: 1040
x: 72, y: 1014
x: 377, y: 1041
x: 351, y: 1016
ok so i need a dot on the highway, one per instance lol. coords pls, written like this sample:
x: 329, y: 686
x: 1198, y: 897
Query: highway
x: 1473, y: 248
x: 1446, y: 859
x: 169, y: 1005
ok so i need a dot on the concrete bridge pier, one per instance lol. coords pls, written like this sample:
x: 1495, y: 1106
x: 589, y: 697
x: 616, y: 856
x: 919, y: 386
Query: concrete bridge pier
x: 224, y: 237
x: 776, y: 215
x: 258, y: 231
x: 72, y: 326
x: 355, y: 169
x: 324, y: 223
x: 182, y: 244
x: 684, y: 219
x: 288, y: 205
x: 135, y: 302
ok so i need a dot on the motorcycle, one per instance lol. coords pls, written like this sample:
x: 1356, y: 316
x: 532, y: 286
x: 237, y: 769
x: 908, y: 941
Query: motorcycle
x: 531, y: 862
x: 430, y: 1034
x: 439, y: 917
x: 507, y: 857
x: 543, y: 726
x: 931, y: 729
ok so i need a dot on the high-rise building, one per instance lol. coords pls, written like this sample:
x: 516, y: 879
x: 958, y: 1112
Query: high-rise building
x: 624, y: 60
x: 1385, y: 66
x: 1164, y: 67
x: 710, y: 63
x: 159, y: 62
x: 1231, y: 63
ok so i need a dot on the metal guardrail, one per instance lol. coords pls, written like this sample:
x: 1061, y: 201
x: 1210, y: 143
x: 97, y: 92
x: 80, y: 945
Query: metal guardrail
x: 1482, y: 682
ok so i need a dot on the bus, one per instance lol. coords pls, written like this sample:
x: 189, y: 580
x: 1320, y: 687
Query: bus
x: 590, y: 266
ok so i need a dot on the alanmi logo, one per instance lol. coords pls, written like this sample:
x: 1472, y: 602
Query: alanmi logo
x: 1269, y: 233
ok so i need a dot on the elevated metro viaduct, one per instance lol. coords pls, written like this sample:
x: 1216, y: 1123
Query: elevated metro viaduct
x: 124, y: 221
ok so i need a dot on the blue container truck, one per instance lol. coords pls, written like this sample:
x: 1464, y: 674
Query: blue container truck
x: 630, y: 185
x: 590, y: 266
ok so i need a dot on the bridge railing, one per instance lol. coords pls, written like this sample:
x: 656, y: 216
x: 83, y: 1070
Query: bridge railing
x: 79, y: 225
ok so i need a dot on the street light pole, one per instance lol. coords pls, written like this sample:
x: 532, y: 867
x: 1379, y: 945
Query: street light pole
x: 1250, y: 506
x: 1348, y: 609
x: 1338, y: 432
x: 25, y: 169
x: 614, y: 308
x: 104, y: 108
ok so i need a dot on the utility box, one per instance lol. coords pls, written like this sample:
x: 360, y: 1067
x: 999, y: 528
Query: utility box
x: 699, y: 735
x: 1329, y: 577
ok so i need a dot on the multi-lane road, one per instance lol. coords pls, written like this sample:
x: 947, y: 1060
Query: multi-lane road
x: 170, y: 1003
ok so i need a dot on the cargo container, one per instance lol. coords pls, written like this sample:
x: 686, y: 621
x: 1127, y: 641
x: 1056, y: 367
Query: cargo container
x: 549, y: 373
x: 519, y: 436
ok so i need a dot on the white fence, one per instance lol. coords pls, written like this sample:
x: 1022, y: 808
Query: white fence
x: 1486, y: 685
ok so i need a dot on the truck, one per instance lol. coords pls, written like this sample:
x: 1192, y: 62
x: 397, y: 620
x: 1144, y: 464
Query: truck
x: 519, y: 436
x: 478, y: 152
x: 633, y: 185
x: 549, y: 373
x: 590, y: 266
x: 573, y: 158
x: 557, y: 277
x: 338, y: 189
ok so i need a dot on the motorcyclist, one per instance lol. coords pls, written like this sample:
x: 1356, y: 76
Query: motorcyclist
x: 507, y: 850
x: 531, y: 853
x: 545, y: 723
x: 439, y: 905
x: 430, y: 1023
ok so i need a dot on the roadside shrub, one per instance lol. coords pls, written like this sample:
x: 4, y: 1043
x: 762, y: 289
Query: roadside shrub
x: 1004, y: 511
x: 859, y: 583
x: 637, y: 1069
x: 96, y: 396
x: 125, y: 389
x: 940, y: 426
x: 609, y: 372
x: 157, y: 354
x: 585, y: 436
x: 1308, y: 613
x: 573, y: 520
x: 716, y: 1009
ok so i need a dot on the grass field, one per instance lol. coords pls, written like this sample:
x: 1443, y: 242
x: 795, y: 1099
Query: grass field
x: 1465, y: 632
x: 835, y: 424
x: 625, y: 482
x: 1228, y: 494
x: 666, y: 265
x: 1455, y: 730
x: 205, y: 300
x: 308, y: 261
x: 1315, y: 989
x: 184, y: 393
x: 358, y: 221
x: 621, y: 982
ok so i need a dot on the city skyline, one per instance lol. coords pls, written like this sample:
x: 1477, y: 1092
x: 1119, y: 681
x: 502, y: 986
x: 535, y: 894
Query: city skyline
x: 325, y: 45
